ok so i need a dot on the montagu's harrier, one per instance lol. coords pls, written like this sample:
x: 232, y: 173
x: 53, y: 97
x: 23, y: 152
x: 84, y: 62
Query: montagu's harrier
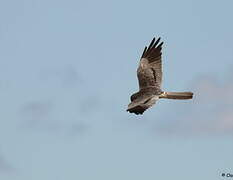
x: 149, y: 75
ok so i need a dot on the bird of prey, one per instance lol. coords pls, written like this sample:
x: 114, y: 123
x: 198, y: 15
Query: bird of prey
x: 149, y: 75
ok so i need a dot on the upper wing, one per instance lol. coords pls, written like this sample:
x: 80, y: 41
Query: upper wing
x: 149, y: 71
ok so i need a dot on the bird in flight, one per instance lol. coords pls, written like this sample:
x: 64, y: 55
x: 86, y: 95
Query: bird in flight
x: 149, y: 75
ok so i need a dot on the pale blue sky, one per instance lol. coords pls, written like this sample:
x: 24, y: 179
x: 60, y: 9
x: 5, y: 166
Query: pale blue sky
x: 68, y: 68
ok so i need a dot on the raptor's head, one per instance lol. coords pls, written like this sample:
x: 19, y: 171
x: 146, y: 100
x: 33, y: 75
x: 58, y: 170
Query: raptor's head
x: 134, y: 96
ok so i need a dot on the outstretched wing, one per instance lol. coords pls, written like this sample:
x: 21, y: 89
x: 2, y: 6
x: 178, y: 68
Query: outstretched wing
x: 149, y: 71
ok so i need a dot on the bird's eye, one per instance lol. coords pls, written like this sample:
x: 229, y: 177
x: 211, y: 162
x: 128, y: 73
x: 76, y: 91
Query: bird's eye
x: 131, y: 98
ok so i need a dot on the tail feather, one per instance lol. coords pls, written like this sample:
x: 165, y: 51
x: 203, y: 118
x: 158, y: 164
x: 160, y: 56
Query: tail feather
x: 176, y: 95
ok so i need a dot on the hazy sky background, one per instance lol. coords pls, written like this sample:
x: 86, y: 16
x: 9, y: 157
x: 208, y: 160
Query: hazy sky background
x: 68, y: 68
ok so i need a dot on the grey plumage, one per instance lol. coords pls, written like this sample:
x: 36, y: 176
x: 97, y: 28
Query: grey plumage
x: 149, y: 75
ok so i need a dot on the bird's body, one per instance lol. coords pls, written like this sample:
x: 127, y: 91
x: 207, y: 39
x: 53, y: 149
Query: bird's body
x: 149, y: 75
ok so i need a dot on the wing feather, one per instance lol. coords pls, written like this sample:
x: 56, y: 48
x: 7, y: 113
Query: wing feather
x: 150, y: 67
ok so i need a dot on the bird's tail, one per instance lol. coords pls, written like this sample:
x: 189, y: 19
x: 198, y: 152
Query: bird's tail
x: 176, y: 95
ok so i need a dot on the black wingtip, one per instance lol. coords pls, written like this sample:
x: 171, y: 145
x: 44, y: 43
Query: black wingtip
x: 156, y: 43
x: 153, y: 50
x: 160, y: 45
x: 144, y: 52
x: 151, y: 44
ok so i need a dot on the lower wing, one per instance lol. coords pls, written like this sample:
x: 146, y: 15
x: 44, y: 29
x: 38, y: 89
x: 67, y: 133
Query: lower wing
x: 138, y: 107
